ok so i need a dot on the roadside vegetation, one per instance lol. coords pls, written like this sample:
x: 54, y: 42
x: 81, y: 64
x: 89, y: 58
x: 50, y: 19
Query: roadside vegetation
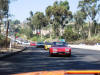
x: 63, y: 24
x: 59, y: 22
x: 2, y: 42
x: 4, y: 8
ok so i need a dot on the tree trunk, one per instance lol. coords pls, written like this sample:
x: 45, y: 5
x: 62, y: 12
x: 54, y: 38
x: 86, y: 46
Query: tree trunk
x: 50, y: 31
x: 0, y: 28
x: 7, y: 32
x: 41, y: 34
x: 95, y: 29
x: 60, y: 31
x: 83, y: 32
x: 89, y: 32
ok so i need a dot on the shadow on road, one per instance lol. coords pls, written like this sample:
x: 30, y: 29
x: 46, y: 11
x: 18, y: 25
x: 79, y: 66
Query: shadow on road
x: 36, y: 59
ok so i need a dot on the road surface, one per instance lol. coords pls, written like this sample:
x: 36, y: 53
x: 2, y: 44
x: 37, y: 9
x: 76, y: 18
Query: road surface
x: 37, y: 59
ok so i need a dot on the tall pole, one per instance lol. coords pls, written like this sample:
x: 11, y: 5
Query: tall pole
x: 7, y: 32
x: 0, y: 25
x: 15, y: 39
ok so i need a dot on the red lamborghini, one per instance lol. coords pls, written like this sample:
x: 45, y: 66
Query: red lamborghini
x: 60, y: 48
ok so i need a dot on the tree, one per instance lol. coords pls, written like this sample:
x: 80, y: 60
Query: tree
x: 4, y: 7
x: 58, y: 15
x: 31, y: 13
x: 79, y: 18
x: 69, y: 35
x: 27, y: 32
x: 39, y: 21
x: 30, y: 20
x: 90, y: 8
x: 16, y: 22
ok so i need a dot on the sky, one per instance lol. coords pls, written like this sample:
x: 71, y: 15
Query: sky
x: 20, y: 9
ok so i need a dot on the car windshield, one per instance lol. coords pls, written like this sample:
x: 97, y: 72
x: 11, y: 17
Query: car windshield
x: 25, y: 41
x: 40, y: 43
x: 59, y: 44
x: 33, y: 42
x: 48, y: 43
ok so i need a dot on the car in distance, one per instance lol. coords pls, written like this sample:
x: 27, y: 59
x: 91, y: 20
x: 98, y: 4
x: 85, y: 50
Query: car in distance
x: 40, y: 44
x: 60, y: 48
x: 32, y: 44
x: 25, y: 43
x: 47, y: 45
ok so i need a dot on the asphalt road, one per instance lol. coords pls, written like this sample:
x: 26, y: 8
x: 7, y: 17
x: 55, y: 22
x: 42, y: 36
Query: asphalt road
x: 37, y: 59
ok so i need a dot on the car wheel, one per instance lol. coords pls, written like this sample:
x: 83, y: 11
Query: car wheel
x: 69, y: 55
x: 50, y: 54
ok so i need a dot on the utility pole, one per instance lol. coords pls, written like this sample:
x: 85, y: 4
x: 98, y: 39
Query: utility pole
x: 6, y: 41
x: 0, y: 23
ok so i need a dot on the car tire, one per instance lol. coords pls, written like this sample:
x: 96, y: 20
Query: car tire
x: 50, y: 54
x: 69, y: 55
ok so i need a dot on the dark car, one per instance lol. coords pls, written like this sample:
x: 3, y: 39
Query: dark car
x: 40, y: 44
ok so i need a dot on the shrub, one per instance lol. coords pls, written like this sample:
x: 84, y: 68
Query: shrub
x: 2, y: 41
x: 69, y: 35
x: 35, y: 38
x: 1, y: 37
x: 47, y: 36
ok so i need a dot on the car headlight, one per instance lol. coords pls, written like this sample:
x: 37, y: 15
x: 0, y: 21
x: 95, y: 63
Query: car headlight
x: 54, y: 49
x: 67, y: 49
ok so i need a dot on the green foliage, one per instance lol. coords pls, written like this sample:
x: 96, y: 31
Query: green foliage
x: 37, y: 38
x: 69, y: 35
x: 26, y: 31
x: 2, y: 41
x: 31, y: 13
x: 47, y: 36
x: 1, y: 37
x: 55, y: 27
x: 16, y: 22
x: 90, y: 8
x: 79, y: 17
x: 34, y: 38
x: 17, y: 34
x: 58, y: 15
x: 65, y: 4
x: 4, y: 6
x: 39, y: 20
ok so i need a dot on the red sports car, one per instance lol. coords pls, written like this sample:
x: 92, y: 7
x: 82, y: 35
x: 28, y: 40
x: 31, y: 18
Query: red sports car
x: 32, y: 44
x: 60, y: 48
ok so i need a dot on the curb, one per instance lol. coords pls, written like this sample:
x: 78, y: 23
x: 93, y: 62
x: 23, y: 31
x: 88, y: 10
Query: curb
x: 11, y: 54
